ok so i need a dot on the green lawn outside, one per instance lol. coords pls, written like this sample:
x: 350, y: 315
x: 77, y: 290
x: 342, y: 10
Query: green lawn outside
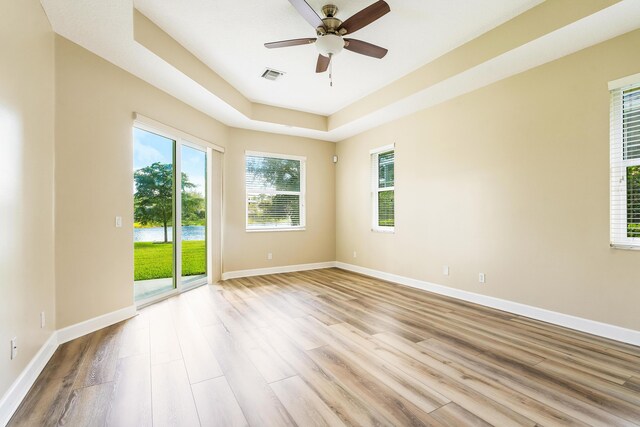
x: 154, y: 260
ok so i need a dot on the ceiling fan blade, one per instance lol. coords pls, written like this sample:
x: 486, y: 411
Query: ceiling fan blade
x: 364, y: 48
x: 366, y: 16
x: 323, y: 63
x: 287, y: 43
x: 307, y: 13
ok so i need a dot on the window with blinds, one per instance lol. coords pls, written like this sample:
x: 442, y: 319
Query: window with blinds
x: 383, y: 191
x: 275, y: 191
x: 625, y: 166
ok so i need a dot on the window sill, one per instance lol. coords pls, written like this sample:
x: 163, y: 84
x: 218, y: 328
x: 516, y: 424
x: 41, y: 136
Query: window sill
x: 388, y: 230
x: 267, y: 230
x: 625, y: 247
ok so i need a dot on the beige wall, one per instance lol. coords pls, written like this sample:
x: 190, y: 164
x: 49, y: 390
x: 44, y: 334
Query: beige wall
x: 95, y: 101
x: 244, y: 250
x: 26, y: 183
x: 94, y: 260
x: 510, y: 180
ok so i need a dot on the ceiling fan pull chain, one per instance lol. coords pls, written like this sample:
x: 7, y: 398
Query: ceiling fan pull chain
x: 330, y: 71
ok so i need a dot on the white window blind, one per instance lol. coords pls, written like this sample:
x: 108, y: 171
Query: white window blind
x: 383, y: 191
x: 625, y: 166
x: 275, y: 192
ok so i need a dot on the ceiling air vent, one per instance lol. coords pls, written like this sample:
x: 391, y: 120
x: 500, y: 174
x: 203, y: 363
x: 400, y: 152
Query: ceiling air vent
x: 271, y: 74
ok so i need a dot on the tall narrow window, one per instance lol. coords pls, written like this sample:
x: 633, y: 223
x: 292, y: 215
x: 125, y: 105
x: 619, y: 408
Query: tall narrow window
x: 383, y: 192
x: 625, y: 166
x: 275, y: 192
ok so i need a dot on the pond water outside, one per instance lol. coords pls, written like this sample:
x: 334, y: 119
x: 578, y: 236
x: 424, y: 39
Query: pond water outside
x: 156, y: 234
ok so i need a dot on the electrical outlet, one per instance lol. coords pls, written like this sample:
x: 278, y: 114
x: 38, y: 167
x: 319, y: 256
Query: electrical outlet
x: 43, y: 320
x: 269, y: 255
x: 14, y: 348
x: 482, y: 278
x: 355, y: 255
x: 445, y: 270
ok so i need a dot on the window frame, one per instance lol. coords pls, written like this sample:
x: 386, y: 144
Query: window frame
x: 618, y: 167
x: 376, y: 189
x: 302, y: 193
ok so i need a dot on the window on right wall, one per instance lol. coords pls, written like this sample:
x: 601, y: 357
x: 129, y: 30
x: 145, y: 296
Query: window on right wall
x: 625, y: 165
x: 383, y: 188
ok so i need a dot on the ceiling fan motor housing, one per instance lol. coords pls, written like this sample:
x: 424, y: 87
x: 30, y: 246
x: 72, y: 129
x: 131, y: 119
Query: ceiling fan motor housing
x: 330, y: 24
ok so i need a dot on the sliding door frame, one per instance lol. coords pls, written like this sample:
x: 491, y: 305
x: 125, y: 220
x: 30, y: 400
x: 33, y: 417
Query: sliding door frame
x: 183, y: 139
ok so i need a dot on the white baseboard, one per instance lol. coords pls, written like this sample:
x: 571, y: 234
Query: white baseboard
x: 83, y: 328
x: 275, y: 270
x: 18, y: 390
x: 578, y: 323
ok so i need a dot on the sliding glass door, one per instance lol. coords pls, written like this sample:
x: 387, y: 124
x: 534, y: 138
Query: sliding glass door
x: 153, y: 212
x: 194, y: 214
x: 170, y: 214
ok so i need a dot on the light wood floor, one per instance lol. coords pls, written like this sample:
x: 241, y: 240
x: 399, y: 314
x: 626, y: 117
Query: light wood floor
x: 333, y: 348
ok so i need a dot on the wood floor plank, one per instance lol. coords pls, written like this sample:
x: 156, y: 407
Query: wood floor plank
x: 258, y: 402
x: 172, y: 398
x: 345, y: 342
x: 550, y: 390
x: 306, y: 338
x: 349, y: 407
x: 202, y: 312
x: 134, y: 341
x: 198, y: 358
x: 379, y: 320
x: 130, y: 404
x: 569, y: 373
x: 548, y: 348
x: 367, y: 324
x: 330, y: 347
x: 453, y: 414
x: 462, y: 334
x: 67, y: 358
x: 305, y: 407
x: 560, y: 330
x: 163, y: 339
x: 265, y: 358
x: 101, y: 358
x: 45, y: 402
x: 393, y: 406
x: 633, y: 383
x: 249, y: 312
x: 217, y: 405
x: 229, y: 317
x: 88, y: 406
x: 500, y: 406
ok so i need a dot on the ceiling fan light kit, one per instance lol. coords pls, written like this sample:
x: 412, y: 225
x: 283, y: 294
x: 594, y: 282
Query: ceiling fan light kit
x: 330, y: 44
x: 330, y: 31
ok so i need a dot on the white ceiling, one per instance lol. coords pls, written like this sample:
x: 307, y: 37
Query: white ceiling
x: 229, y: 35
x: 437, y: 26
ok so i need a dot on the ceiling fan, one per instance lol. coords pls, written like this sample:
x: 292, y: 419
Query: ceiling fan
x: 330, y: 31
